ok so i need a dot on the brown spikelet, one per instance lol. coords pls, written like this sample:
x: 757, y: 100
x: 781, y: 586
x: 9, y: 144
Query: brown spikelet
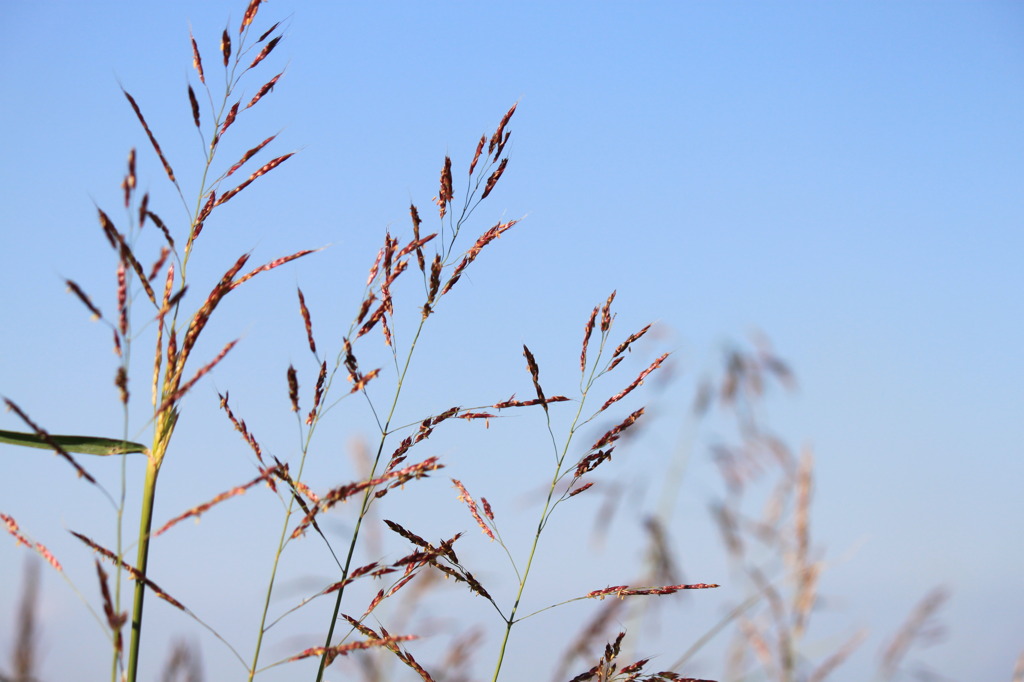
x: 476, y: 154
x: 293, y: 388
x: 265, y: 51
x: 621, y: 591
x: 331, y: 653
x: 307, y: 321
x: 129, y: 180
x: 126, y: 254
x: 613, y: 434
x: 531, y: 364
x: 636, y: 382
x: 200, y: 221
x: 77, y: 291
x: 588, y: 329
x: 444, y: 195
x: 143, y: 209
x: 267, y: 87
x: 577, y: 491
x: 498, y: 140
x: 232, y: 113
x: 163, y: 228
x: 109, y: 231
x: 493, y: 180
x: 20, y: 539
x: 250, y: 14
x: 263, y: 170
x: 159, y: 263
x: 205, y: 369
x: 416, y: 237
x: 241, y: 428
x: 121, y: 381
x: 197, y: 61
x: 225, y: 46
x: 277, y: 262
x: 45, y: 436
x: 195, y: 105
x: 263, y: 36
x: 464, y: 496
x: 131, y: 570
x: 199, y: 510
x: 624, y: 346
x: 248, y: 155
x: 512, y: 402
x: 149, y: 133
x: 435, y: 284
x: 485, y: 239
x: 606, y: 314
x: 115, y: 621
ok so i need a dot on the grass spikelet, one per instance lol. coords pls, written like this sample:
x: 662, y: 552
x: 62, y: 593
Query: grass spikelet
x: 476, y: 154
x: 158, y: 264
x: 263, y: 170
x: 622, y: 591
x: 131, y: 570
x: 115, y: 621
x: 495, y: 176
x: 250, y: 14
x: 267, y: 87
x: 249, y: 154
x: 232, y: 113
x: 180, y: 392
x: 20, y: 539
x: 143, y: 209
x: 307, y: 322
x: 129, y: 180
x: 45, y: 436
x: 225, y: 46
x: 278, y: 262
x: 267, y: 49
x: 606, y: 314
x: 916, y: 628
x: 484, y: 239
x: 577, y: 491
x: 86, y: 301
x: 464, y: 496
x: 121, y: 381
x: 199, y: 510
x: 497, y: 142
x: 163, y: 228
x: 531, y: 364
x: 444, y: 195
x: 624, y: 346
x: 588, y: 329
x: 613, y: 434
x: 152, y: 139
x: 344, y: 649
x: 197, y: 61
x: 263, y: 36
x: 636, y: 382
x: 293, y: 388
x: 241, y: 427
x: 415, y: 215
x: 195, y: 105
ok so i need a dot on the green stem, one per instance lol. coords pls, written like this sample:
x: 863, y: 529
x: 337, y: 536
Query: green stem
x: 511, y: 620
x: 145, y: 523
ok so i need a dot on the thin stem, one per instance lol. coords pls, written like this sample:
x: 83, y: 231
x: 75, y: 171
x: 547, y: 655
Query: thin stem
x: 367, y: 496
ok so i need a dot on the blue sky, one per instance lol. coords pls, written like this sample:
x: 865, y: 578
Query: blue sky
x: 844, y: 178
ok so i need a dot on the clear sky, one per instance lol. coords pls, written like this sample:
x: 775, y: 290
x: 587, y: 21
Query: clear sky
x: 844, y: 177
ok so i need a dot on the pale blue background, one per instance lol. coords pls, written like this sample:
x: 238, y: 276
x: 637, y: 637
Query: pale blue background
x: 845, y: 177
